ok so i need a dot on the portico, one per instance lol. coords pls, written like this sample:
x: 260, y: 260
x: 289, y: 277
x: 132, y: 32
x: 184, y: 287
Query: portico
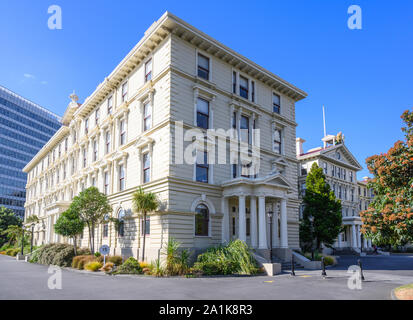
x: 245, y: 205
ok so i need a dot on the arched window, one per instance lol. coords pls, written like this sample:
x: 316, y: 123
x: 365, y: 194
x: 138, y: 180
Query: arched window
x: 201, y: 220
x: 121, y: 227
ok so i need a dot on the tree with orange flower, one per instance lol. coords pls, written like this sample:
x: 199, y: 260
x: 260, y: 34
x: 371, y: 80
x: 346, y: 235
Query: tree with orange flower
x: 389, y: 218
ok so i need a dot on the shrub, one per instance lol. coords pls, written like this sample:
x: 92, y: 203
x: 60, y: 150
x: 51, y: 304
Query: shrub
x: 130, y: 266
x: 176, y: 260
x: 93, y: 266
x: 234, y: 258
x: 155, y: 268
x: 79, y: 262
x: 12, y: 251
x: 329, y: 260
x: 34, y: 257
x: 2, y: 252
x: 97, y: 254
x: 115, y: 260
x: 144, y: 265
x: 107, y: 267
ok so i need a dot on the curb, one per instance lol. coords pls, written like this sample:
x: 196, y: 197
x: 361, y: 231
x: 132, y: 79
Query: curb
x: 392, y: 295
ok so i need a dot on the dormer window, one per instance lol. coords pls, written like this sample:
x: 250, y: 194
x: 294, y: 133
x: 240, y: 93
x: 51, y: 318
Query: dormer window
x: 276, y: 103
x: 203, y: 67
x: 243, y: 87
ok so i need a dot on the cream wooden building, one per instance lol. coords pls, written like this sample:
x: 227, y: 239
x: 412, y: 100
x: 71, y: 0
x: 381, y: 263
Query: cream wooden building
x: 124, y: 136
x: 340, y: 168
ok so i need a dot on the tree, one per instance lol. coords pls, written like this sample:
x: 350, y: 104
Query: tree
x: 91, y: 206
x: 7, y: 218
x: 143, y: 203
x: 389, y: 218
x: 70, y: 225
x: 14, y: 233
x: 322, y: 220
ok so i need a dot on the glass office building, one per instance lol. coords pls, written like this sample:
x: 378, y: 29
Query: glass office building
x: 24, y: 128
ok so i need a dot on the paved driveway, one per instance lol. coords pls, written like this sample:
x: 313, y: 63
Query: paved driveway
x: 21, y: 280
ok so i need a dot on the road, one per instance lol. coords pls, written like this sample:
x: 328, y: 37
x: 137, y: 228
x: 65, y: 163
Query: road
x: 22, y: 280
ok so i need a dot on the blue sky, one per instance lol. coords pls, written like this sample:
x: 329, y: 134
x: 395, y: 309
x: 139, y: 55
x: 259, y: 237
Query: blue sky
x: 363, y: 77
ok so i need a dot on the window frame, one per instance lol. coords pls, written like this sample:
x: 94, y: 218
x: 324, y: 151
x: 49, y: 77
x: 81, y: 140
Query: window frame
x: 276, y: 108
x: 205, y: 232
x: 280, y: 144
x: 122, y: 131
x: 145, y: 169
x: 122, y: 174
x: 124, y: 95
x: 203, y: 114
x: 202, y: 166
x: 242, y: 88
x: 147, y: 105
x: 207, y: 71
x: 148, y: 75
x: 110, y: 104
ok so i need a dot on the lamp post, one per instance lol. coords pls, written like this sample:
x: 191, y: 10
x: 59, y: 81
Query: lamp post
x: 22, y: 248
x: 311, y: 218
x: 270, y: 215
x: 31, y: 241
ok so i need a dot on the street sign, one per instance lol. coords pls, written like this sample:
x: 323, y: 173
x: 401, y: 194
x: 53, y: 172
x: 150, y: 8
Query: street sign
x: 104, y: 249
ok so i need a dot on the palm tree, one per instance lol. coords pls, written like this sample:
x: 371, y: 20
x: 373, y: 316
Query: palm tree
x: 13, y: 232
x: 143, y: 203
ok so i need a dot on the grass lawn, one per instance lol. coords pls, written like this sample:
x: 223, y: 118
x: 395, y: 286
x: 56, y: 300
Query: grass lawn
x: 404, y: 292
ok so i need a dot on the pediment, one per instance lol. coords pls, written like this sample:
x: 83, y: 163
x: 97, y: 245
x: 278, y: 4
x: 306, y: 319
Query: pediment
x: 341, y: 154
x: 277, y: 180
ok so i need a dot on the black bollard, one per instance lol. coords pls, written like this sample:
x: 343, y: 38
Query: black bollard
x: 323, y: 267
x: 292, y: 266
x: 361, y: 270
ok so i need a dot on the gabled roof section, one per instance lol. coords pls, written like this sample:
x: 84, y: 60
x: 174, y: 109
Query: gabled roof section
x: 326, y: 154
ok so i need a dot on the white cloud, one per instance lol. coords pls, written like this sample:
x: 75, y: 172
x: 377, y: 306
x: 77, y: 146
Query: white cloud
x: 29, y: 76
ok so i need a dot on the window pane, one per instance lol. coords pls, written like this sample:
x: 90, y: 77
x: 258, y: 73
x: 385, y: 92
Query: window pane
x: 203, y: 106
x: 201, y: 220
x: 202, y: 174
x: 203, y: 62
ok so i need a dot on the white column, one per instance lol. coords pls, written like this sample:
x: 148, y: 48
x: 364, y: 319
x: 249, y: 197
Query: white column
x: 253, y: 220
x: 262, y: 232
x: 339, y: 240
x: 358, y: 237
x: 283, y: 223
x: 275, y: 238
x: 242, y: 231
x: 225, y: 220
x: 353, y: 236
x: 364, y: 243
x: 369, y: 243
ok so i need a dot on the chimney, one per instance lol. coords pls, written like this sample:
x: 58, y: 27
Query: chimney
x: 299, y: 146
